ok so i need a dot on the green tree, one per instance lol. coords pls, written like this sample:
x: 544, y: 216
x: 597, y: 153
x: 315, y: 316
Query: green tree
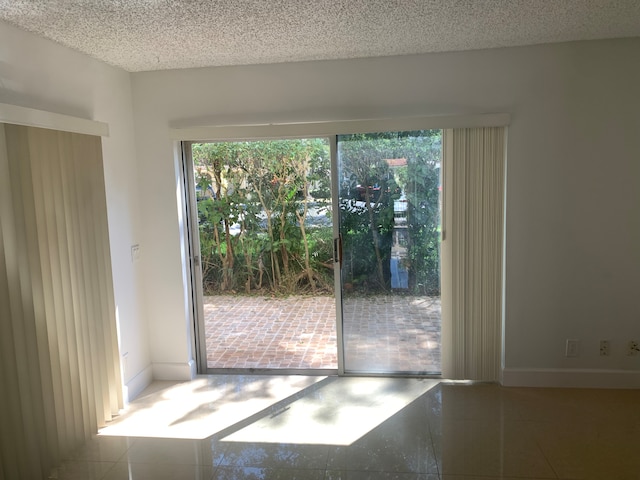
x: 362, y: 159
x: 368, y: 180
x: 255, y: 198
x: 253, y: 186
x: 423, y: 213
x: 216, y: 172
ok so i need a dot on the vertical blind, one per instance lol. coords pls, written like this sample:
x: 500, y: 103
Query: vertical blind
x: 59, y: 371
x: 473, y: 249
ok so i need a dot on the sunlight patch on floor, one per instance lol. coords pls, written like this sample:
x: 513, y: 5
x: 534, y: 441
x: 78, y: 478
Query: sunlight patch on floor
x: 338, y: 412
x: 203, y: 407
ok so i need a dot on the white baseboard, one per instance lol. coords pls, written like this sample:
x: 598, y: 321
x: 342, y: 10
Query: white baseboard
x: 137, y: 384
x: 570, y: 378
x: 174, y: 371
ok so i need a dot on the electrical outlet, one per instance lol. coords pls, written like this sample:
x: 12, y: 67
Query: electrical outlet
x: 633, y: 348
x: 604, y: 348
x: 135, y: 252
x: 572, y: 348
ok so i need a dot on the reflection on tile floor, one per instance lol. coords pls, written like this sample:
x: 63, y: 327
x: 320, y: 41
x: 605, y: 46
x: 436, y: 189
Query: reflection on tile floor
x: 430, y: 431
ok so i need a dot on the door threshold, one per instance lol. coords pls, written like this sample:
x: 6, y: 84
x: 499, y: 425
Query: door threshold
x: 315, y: 372
x: 311, y: 372
x: 432, y: 375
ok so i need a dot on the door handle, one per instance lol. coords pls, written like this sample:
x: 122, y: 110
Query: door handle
x: 337, y: 250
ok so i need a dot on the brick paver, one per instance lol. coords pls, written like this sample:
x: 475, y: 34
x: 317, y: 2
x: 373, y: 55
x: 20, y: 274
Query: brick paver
x: 393, y: 333
x: 383, y: 333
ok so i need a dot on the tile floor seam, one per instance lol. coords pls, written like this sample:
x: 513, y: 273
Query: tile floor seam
x: 109, y: 471
x: 433, y: 449
x: 545, y: 456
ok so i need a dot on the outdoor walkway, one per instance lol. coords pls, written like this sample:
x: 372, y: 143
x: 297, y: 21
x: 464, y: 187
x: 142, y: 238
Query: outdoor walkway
x: 384, y: 333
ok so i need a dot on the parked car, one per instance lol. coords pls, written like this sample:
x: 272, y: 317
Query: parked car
x: 207, y: 193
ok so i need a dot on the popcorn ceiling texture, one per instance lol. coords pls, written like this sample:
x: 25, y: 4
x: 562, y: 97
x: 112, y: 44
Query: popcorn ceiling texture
x: 139, y: 35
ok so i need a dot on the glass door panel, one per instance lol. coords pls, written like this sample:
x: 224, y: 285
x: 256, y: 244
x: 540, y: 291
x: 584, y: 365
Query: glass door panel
x: 265, y: 235
x: 389, y: 225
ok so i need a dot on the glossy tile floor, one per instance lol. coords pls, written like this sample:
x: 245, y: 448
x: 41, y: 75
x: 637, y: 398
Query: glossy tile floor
x: 373, y: 428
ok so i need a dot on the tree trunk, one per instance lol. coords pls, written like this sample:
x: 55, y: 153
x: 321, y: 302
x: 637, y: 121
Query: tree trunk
x: 230, y: 256
x: 283, y: 246
x: 247, y: 259
x: 260, y: 271
x: 303, y: 231
x: 227, y: 258
x: 275, y: 267
x: 376, y: 236
x: 216, y: 236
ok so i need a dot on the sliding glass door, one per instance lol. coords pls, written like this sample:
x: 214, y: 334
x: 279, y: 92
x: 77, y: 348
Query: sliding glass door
x: 389, y: 230
x: 275, y: 291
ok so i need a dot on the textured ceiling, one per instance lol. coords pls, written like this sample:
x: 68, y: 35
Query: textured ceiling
x: 140, y: 35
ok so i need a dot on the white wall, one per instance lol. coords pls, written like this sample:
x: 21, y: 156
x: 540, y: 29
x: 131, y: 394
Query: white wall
x: 573, y: 178
x: 40, y: 74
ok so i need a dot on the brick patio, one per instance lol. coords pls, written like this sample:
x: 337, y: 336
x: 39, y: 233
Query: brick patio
x: 381, y: 334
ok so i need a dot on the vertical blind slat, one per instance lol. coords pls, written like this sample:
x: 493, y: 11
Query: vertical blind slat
x: 65, y: 242
x: 48, y: 144
x: 77, y: 290
x: 97, y: 185
x: 88, y: 242
x: 67, y: 321
x: 83, y: 285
